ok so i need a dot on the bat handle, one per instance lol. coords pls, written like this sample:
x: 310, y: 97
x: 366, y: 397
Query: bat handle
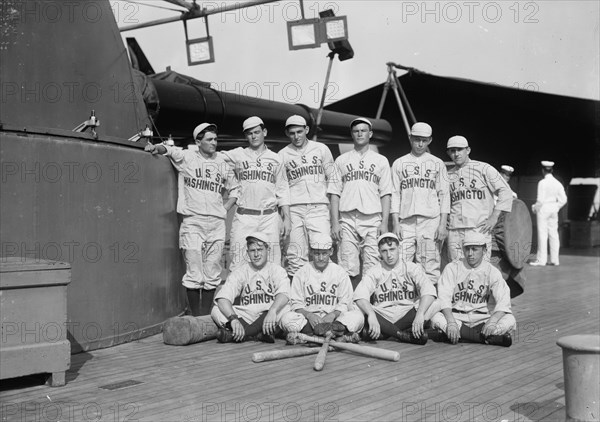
x: 322, y: 355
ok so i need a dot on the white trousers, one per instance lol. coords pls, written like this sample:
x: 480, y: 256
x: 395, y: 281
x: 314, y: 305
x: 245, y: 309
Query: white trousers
x: 293, y: 322
x: 308, y: 222
x: 547, y: 230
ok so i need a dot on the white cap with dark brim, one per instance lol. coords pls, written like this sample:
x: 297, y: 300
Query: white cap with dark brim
x: 421, y: 129
x: 251, y: 122
x: 457, y: 142
x: 388, y: 235
x: 360, y: 120
x: 203, y: 126
x: 295, y: 120
x: 321, y: 242
x: 258, y: 236
x: 475, y: 239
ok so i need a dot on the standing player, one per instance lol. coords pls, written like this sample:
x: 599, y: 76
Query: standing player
x: 473, y: 185
x: 322, y: 294
x: 474, y: 298
x: 551, y: 198
x: 360, y: 201
x: 263, y: 188
x: 308, y: 165
x: 421, y: 202
x: 401, y: 295
x: 263, y: 289
x: 203, y: 175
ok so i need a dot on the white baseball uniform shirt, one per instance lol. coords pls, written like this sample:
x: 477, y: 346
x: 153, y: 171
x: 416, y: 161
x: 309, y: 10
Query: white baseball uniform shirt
x: 395, y: 292
x: 263, y: 184
x: 256, y: 289
x: 321, y: 292
x: 466, y: 289
x: 201, y: 182
x: 361, y: 180
x: 472, y: 189
x: 420, y: 186
x: 307, y: 170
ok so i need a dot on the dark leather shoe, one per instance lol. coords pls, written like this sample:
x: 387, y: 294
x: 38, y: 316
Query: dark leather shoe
x: 504, y: 340
x: 224, y: 335
x: 406, y: 336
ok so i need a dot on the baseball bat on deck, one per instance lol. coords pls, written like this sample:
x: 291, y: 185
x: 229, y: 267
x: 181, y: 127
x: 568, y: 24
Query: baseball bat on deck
x: 284, y: 354
x: 322, y: 355
x: 373, y: 352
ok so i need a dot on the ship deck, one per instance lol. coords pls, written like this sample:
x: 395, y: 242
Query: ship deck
x: 147, y: 380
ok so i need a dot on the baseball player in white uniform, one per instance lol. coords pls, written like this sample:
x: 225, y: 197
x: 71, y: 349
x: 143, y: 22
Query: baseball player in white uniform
x: 263, y: 188
x: 308, y: 166
x: 474, y: 298
x: 473, y: 185
x: 263, y: 289
x: 322, y: 293
x: 551, y: 198
x: 420, y: 202
x: 395, y: 296
x: 203, y: 175
x: 360, y: 191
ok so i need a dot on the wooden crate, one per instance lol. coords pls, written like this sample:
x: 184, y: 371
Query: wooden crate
x: 33, y: 315
x: 584, y: 234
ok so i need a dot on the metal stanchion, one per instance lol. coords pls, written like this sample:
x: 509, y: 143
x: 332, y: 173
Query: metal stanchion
x: 581, y: 365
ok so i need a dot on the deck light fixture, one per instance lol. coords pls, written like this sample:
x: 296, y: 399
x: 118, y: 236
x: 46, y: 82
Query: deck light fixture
x: 199, y: 50
x: 311, y: 33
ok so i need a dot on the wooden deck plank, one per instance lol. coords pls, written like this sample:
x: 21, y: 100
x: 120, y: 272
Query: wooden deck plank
x: 210, y: 381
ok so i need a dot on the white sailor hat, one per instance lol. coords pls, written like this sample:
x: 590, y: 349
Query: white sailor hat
x: 421, y: 129
x: 203, y: 126
x: 457, y: 142
x: 295, y: 120
x: 548, y: 163
x: 474, y: 239
x: 388, y: 235
x: 251, y: 122
x: 258, y: 236
x: 360, y: 120
x: 322, y: 242
x: 507, y: 169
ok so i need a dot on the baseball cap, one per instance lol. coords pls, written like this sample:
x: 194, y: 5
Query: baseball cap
x: 457, y: 142
x: 360, y: 120
x: 251, y: 122
x: 474, y: 239
x: 548, y: 163
x: 258, y: 236
x: 507, y: 169
x: 203, y: 126
x: 321, y: 242
x: 421, y: 129
x: 388, y: 235
x: 295, y: 120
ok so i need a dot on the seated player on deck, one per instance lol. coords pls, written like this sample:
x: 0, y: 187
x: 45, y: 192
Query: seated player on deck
x: 321, y: 294
x: 474, y: 298
x: 401, y: 295
x: 263, y: 289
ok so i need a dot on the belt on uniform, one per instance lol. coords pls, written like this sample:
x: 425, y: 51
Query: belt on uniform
x: 250, y: 211
x: 468, y: 312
